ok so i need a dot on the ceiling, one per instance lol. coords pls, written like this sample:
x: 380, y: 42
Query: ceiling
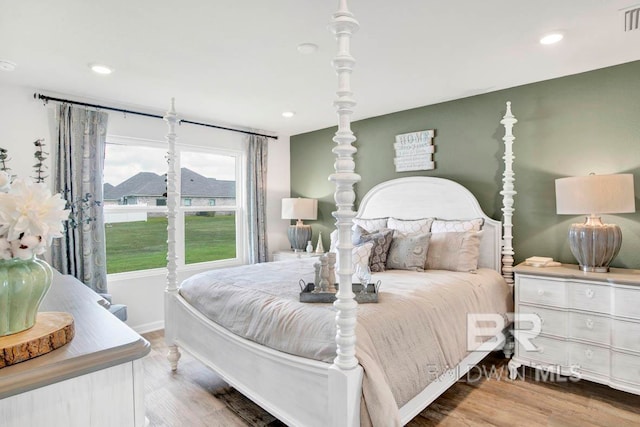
x: 236, y: 62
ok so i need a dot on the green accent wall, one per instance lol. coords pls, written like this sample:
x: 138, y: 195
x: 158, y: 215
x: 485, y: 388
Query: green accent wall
x: 569, y: 126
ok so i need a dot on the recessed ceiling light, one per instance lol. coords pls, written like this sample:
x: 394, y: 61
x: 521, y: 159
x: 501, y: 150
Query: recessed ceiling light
x: 307, y: 48
x: 551, y: 38
x: 288, y: 114
x: 100, y: 69
x: 7, y: 65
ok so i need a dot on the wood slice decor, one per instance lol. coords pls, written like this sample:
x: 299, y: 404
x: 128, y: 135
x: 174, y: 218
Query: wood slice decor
x: 52, y: 330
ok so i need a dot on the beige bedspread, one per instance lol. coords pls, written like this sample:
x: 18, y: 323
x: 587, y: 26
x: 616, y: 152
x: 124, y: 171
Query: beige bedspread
x: 414, y: 333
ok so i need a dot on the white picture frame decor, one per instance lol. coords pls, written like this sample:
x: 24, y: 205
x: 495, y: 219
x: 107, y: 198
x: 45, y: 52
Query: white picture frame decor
x: 414, y: 151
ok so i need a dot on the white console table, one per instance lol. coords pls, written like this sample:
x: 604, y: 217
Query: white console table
x: 93, y: 381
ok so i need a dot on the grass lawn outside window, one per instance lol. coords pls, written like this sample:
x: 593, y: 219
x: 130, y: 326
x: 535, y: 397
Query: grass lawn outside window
x: 141, y: 245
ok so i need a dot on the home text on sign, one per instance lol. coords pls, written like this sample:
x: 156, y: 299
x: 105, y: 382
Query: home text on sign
x: 414, y: 151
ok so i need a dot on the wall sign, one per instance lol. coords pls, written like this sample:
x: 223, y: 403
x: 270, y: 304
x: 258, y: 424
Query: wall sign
x: 414, y: 151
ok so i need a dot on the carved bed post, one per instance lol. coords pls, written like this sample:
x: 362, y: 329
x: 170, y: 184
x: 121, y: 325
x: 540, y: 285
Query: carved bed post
x: 507, y: 195
x: 173, y: 197
x: 345, y: 375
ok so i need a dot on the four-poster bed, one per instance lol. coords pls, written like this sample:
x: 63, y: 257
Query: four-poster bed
x: 281, y: 370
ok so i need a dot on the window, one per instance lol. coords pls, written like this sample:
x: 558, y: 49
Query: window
x: 135, y: 205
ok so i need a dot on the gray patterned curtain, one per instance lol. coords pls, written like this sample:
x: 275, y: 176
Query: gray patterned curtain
x: 257, y: 195
x: 78, y: 165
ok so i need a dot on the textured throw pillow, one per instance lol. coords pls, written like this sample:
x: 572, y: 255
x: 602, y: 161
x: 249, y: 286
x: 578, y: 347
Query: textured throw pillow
x: 408, y: 252
x: 359, y: 256
x: 410, y: 226
x: 454, y: 251
x: 371, y: 225
x: 381, y: 243
x: 448, y: 226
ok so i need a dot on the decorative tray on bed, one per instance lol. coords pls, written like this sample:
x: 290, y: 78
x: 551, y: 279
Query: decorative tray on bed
x: 371, y: 294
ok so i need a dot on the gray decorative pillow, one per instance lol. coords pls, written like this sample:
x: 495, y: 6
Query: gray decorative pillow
x: 408, y: 251
x: 455, y: 251
x: 381, y: 243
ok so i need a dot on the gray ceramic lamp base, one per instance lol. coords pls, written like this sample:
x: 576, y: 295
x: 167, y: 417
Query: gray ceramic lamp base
x: 299, y: 235
x: 595, y: 245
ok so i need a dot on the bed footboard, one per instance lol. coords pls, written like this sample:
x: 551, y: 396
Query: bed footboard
x: 296, y: 390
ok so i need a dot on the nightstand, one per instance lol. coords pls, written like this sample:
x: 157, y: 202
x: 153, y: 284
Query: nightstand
x: 283, y: 255
x: 590, y: 324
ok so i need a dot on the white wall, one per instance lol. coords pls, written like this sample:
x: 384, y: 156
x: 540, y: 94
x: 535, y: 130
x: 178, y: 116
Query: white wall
x: 23, y: 120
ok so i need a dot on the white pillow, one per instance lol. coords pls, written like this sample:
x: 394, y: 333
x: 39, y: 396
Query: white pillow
x: 371, y: 225
x: 410, y: 226
x: 449, y: 226
x: 360, y: 255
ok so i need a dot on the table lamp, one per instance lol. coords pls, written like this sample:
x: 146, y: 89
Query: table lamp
x: 593, y: 243
x: 299, y: 209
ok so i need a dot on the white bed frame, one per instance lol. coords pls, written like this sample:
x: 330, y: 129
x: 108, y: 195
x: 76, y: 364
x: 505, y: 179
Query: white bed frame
x: 304, y: 392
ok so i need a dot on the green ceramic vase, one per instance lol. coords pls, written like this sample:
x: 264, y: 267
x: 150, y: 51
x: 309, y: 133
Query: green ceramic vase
x: 23, y: 285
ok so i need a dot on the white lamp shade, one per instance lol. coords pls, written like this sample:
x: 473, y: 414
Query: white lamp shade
x: 595, y: 194
x: 299, y: 208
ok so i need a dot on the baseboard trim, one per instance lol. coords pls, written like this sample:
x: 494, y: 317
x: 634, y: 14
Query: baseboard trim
x: 148, y: 327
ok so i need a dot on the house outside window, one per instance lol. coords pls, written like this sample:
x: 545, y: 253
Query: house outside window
x: 136, y: 226
x: 212, y: 202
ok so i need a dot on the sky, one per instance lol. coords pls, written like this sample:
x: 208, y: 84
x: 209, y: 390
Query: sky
x: 122, y: 162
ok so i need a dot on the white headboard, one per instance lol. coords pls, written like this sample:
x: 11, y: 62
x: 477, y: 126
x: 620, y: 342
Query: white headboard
x: 425, y: 197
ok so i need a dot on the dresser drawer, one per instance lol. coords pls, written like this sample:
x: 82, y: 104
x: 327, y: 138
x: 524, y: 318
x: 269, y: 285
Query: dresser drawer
x: 552, y: 322
x: 627, y: 302
x: 591, y: 297
x: 548, y: 350
x: 625, y: 367
x: 626, y: 335
x: 590, y: 358
x: 542, y: 291
x: 590, y: 327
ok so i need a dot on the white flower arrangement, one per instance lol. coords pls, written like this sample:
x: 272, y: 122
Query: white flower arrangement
x: 30, y: 217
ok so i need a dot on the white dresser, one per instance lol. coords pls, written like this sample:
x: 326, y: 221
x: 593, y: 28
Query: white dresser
x: 96, y: 380
x: 590, y: 324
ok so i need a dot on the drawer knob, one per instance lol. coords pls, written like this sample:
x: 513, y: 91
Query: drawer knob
x: 590, y: 293
x: 541, y: 349
x: 540, y: 317
x: 589, y: 354
x: 589, y: 323
x: 540, y: 292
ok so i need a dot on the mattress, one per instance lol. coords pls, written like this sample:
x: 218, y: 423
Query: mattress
x: 416, y: 331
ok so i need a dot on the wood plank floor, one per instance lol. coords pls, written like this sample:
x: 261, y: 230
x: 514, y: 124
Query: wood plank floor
x: 185, y: 398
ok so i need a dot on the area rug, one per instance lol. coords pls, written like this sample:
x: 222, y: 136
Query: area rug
x: 244, y: 408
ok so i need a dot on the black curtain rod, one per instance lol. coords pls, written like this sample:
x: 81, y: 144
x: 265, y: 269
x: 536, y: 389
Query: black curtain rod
x: 46, y: 99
